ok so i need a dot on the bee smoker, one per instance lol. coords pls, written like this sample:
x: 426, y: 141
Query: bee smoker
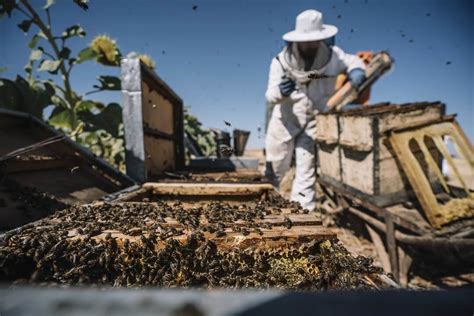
x: 222, y: 139
x: 240, y: 141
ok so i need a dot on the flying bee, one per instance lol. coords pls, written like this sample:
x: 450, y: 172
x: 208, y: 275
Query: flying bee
x: 82, y: 4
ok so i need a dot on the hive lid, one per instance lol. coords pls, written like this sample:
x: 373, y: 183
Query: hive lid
x: 63, y: 172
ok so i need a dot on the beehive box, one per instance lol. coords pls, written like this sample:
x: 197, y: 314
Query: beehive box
x: 354, y: 152
x: 153, y: 123
x: 40, y: 181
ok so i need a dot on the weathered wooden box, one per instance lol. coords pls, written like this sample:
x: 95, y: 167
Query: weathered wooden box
x: 354, y: 152
x: 153, y: 123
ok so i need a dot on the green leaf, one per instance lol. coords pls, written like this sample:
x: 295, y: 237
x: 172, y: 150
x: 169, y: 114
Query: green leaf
x: 63, y: 118
x: 58, y: 101
x: 7, y: 6
x: 48, y: 4
x: 3, y: 69
x: 34, y: 41
x: 74, y: 30
x: 49, y: 87
x: 86, y: 54
x: 29, y: 67
x: 64, y: 53
x: 36, y: 54
x: 10, y: 96
x: 88, y: 105
x: 58, y: 89
x: 108, y: 119
x: 22, y: 95
x: 25, y: 25
x: 50, y: 66
x: 109, y: 83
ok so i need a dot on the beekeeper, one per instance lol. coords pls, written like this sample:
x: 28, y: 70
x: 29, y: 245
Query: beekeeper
x: 301, y: 80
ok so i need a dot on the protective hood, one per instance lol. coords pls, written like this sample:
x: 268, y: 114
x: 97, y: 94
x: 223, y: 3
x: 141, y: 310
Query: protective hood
x: 294, y: 63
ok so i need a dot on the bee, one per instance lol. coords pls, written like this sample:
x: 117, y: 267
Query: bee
x: 220, y: 233
x: 82, y: 4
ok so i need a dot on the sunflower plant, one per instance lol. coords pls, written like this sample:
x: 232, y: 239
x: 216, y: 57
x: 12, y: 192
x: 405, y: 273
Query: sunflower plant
x: 101, y: 124
x: 49, y: 53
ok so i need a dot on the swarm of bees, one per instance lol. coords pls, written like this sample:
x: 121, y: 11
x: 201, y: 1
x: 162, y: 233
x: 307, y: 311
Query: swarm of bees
x: 31, y: 203
x: 137, y: 244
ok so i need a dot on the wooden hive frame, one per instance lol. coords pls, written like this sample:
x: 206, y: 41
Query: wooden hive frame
x: 306, y: 227
x: 436, y: 213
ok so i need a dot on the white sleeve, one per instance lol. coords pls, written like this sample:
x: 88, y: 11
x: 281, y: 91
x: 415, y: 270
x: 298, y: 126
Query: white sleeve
x: 273, y: 93
x: 347, y: 62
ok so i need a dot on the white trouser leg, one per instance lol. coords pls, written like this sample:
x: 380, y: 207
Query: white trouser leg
x: 304, y: 185
x: 279, y: 155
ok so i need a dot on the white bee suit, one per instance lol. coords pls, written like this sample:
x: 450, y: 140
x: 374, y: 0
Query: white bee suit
x: 292, y: 126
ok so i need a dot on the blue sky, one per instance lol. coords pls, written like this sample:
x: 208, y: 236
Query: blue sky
x: 217, y: 56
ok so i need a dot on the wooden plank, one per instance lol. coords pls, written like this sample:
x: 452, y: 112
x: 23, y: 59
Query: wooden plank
x: 392, y: 245
x: 358, y: 198
x: 416, y: 116
x: 409, y: 218
x: 157, y: 110
x: 43, y: 163
x: 327, y: 131
x: 379, y: 248
x: 357, y: 170
x: 159, y: 155
x: 231, y: 189
x: 404, y: 263
x: 276, y: 237
x: 272, y: 220
x: 329, y: 161
x: 357, y: 133
x: 270, y: 238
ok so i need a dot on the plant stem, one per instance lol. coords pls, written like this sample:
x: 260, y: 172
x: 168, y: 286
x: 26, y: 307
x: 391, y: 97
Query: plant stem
x: 48, y: 54
x: 47, y: 32
x: 93, y: 91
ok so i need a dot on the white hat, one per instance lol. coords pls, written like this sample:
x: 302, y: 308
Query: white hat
x: 310, y: 27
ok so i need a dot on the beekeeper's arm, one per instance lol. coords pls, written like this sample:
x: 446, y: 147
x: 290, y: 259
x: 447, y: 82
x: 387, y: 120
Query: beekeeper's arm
x: 350, y: 64
x: 280, y: 86
x: 273, y: 93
